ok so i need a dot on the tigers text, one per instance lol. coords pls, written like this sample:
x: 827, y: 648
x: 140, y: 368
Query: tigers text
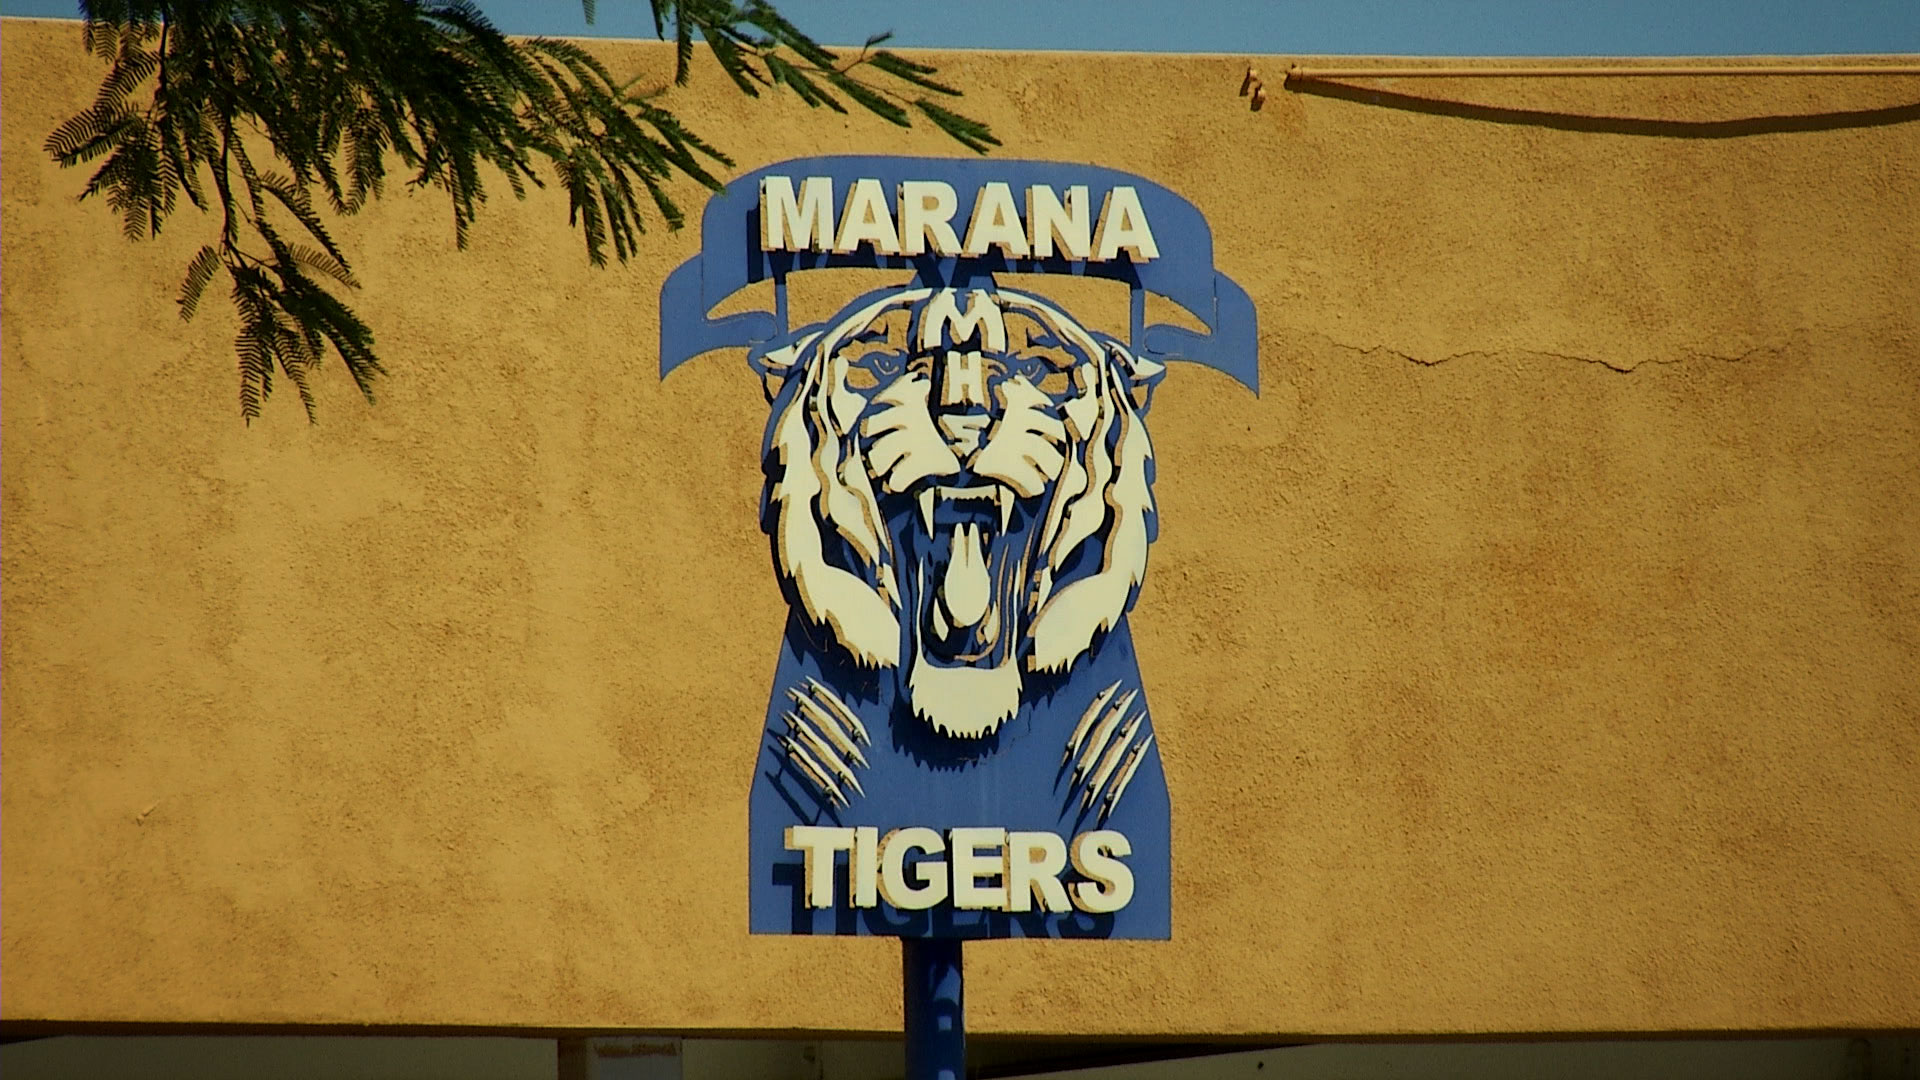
x: 986, y: 870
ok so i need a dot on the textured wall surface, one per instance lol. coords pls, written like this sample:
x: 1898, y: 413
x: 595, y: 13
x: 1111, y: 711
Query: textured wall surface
x: 1538, y: 652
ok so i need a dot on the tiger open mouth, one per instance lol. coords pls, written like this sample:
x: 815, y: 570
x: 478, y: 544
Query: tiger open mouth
x: 964, y: 618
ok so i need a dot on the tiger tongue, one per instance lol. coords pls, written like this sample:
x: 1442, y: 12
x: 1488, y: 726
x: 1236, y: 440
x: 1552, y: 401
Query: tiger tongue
x: 964, y: 588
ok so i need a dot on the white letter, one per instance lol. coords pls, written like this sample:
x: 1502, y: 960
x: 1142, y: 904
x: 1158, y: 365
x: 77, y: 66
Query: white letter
x: 867, y: 217
x: 1109, y: 884
x: 969, y: 865
x: 789, y: 224
x: 864, y: 867
x: 1047, y: 220
x: 932, y: 873
x: 925, y: 208
x: 818, y: 842
x: 1034, y: 862
x: 983, y: 318
x: 1123, y: 225
x: 995, y: 221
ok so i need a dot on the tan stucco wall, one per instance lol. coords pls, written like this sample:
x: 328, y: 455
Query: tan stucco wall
x: 1538, y: 652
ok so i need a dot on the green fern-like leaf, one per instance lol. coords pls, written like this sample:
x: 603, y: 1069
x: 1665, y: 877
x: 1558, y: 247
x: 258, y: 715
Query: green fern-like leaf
x: 972, y: 134
x: 324, y: 262
x: 275, y: 115
x: 906, y: 70
x: 206, y: 262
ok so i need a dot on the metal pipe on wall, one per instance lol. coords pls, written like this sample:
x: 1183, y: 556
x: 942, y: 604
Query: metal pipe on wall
x: 1561, y: 71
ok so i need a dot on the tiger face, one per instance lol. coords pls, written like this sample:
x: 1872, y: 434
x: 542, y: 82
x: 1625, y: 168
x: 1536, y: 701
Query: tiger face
x: 958, y: 489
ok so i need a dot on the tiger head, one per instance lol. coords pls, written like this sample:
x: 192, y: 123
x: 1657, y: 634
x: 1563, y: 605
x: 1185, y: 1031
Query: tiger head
x: 958, y: 489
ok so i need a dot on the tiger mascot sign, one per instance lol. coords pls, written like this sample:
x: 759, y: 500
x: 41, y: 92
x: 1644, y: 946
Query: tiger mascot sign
x: 959, y: 503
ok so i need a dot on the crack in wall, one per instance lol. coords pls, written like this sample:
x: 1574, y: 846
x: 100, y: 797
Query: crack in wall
x: 1617, y: 366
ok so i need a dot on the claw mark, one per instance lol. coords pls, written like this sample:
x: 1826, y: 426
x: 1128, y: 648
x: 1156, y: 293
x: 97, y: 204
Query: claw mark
x: 822, y: 753
x: 1086, y: 722
x: 822, y: 736
x: 812, y: 770
x: 1132, y: 766
x: 829, y: 726
x: 1111, y: 761
x: 1103, y: 757
x: 832, y: 701
x: 1101, y: 734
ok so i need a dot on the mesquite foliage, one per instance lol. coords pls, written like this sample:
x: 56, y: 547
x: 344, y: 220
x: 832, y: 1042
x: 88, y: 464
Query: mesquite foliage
x: 273, y: 114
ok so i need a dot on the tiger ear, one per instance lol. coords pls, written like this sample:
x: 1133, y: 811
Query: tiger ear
x: 1142, y: 375
x: 776, y: 365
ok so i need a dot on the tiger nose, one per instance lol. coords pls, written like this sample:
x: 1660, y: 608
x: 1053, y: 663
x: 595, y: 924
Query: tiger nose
x: 962, y: 413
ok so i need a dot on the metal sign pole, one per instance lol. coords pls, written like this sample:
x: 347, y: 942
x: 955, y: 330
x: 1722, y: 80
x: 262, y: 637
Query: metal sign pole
x: 931, y: 990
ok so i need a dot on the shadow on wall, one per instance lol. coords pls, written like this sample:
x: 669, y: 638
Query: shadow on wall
x: 1737, y: 127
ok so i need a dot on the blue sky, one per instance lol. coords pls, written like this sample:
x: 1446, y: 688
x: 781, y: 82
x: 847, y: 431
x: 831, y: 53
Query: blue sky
x: 1403, y: 27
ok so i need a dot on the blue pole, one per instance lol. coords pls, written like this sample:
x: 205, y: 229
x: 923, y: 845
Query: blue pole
x: 935, y: 1009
